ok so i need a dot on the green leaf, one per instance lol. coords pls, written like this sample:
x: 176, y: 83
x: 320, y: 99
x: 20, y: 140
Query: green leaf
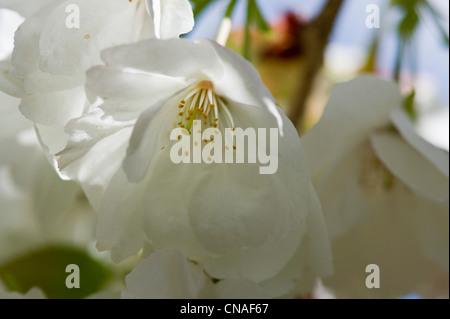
x: 370, y: 65
x: 200, y: 5
x: 230, y: 8
x: 408, y: 25
x: 409, y: 105
x: 399, y: 58
x: 45, y: 268
x: 247, y: 36
x: 410, y: 20
x: 254, y: 17
x: 257, y: 16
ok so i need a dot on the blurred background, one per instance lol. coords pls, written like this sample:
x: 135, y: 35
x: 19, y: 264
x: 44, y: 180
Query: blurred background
x: 306, y: 46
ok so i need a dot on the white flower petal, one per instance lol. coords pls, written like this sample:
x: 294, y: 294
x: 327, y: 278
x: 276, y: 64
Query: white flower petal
x: 52, y: 140
x: 54, y: 109
x: 175, y: 57
x: 166, y: 274
x: 37, y: 82
x: 25, y: 56
x: 11, y: 121
x: 432, y: 227
x: 71, y: 51
x: 94, y: 152
x: 411, y: 167
x: 312, y: 259
x: 171, y: 18
x: 163, y: 204
x: 353, y: 111
x: 151, y: 132
x: 224, y: 225
x: 126, y: 91
x: 9, y: 83
x: 344, y: 195
x: 390, y: 240
x: 25, y: 7
x: 259, y: 263
x: 319, y: 250
x: 119, y: 225
x: 436, y: 156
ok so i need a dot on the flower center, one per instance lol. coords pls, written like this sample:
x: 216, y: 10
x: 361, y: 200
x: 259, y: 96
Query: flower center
x: 201, y: 103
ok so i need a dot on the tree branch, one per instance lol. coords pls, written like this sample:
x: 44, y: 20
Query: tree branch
x: 314, y: 40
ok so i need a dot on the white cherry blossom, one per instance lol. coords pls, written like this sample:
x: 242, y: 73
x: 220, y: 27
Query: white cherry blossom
x: 227, y: 217
x: 383, y: 189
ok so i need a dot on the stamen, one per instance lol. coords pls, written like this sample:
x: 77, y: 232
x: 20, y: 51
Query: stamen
x: 205, y: 105
x: 202, y: 98
x: 192, y: 93
x: 210, y: 96
x: 193, y: 102
x: 216, y: 111
x: 227, y: 112
x: 201, y: 102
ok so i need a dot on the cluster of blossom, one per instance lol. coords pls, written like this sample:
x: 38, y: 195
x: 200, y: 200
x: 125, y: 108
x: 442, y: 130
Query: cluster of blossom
x: 96, y: 104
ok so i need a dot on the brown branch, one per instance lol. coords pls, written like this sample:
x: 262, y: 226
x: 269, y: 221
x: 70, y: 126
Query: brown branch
x: 315, y: 40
